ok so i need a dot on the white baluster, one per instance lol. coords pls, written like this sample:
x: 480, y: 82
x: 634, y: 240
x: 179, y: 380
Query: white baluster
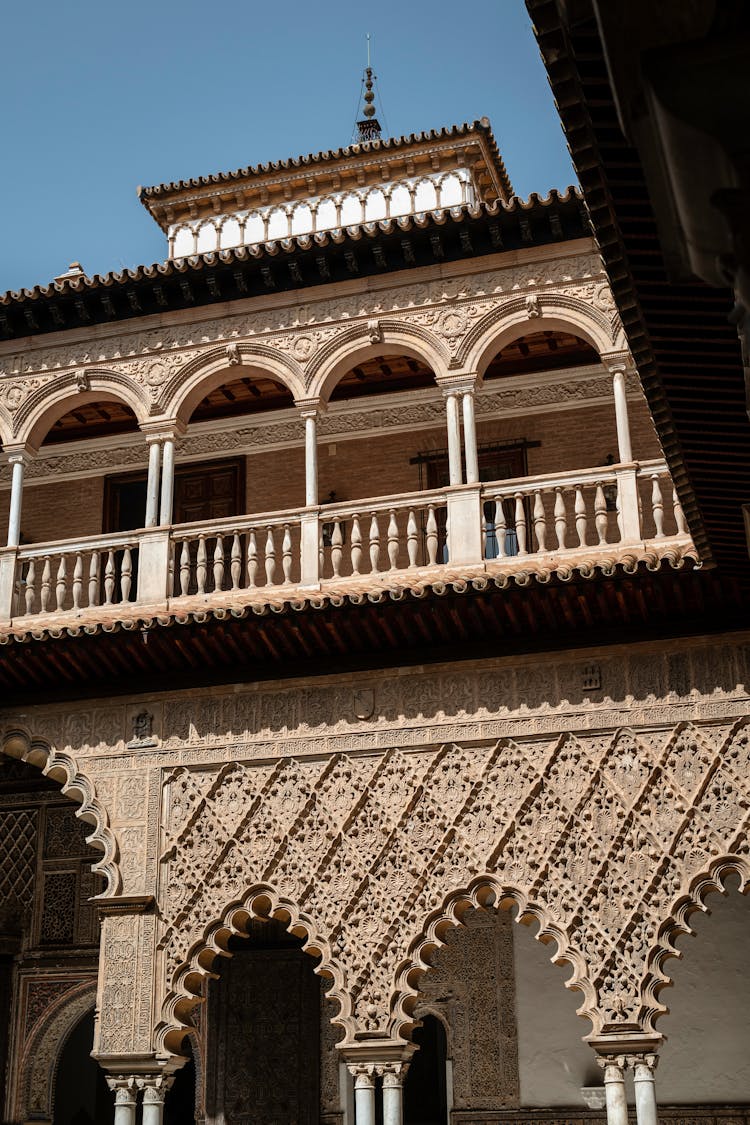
x: 521, y: 524
x: 219, y: 563
x: 657, y: 506
x: 286, y: 555
x: 270, y: 558
x: 94, y: 563
x: 252, y: 559
x: 374, y: 544
x: 561, y: 519
x: 126, y: 574
x: 393, y: 543
x: 184, y: 568
x: 29, y: 592
x: 337, y: 547
x: 356, y: 542
x: 201, y: 565
x: 61, y: 584
x: 500, y: 528
x: 235, y: 565
x: 679, y: 515
x: 432, y: 536
x: 46, y: 584
x: 109, y: 578
x: 601, y: 519
x: 412, y: 538
x: 581, y: 520
x: 77, y: 580
x: 540, y: 522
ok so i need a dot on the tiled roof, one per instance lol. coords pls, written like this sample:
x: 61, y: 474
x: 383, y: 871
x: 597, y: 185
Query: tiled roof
x: 146, y: 194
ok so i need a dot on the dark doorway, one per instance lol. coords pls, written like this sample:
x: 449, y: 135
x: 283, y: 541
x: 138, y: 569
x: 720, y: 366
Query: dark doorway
x: 263, y: 1038
x: 82, y: 1096
x: 179, y: 1104
x: 425, y: 1089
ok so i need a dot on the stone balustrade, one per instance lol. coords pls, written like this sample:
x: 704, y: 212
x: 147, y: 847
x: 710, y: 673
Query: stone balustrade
x: 600, y: 517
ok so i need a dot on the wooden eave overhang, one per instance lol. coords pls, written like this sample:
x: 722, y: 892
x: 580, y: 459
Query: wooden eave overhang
x: 456, y: 620
x: 308, y: 170
x: 303, y: 262
x: 686, y: 350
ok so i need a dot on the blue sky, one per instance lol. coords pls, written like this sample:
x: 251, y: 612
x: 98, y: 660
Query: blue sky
x: 103, y: 95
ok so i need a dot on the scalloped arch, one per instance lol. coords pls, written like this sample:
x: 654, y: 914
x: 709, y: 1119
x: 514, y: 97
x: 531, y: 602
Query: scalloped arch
x: 199, y: 376
x: 710, y: 881
x: 356, y: 344
x: 36, y: 1097
x: 19, y: 744
x: 35, y: 417
x: 261, y: 901
x: 484, y: 892
x: 560, y: 312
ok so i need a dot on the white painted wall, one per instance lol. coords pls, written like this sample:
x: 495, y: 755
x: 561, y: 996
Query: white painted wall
x: 706, y: 1058
x: 440, y: 189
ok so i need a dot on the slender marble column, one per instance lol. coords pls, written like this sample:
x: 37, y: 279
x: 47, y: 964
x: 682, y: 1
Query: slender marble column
x: 454, y: 438
x: 311, y: 458
x: 167, y: 482
x: 126, y: 1096
x: 619, y: 385
x: 614, y: 1089
x: 645, y: 1091
x: 152, y: 487
x: 470, y: 438
x: 364, y: 1093
x: 17, y: 462
x: 393, y: 1092
x: 154, y: 1092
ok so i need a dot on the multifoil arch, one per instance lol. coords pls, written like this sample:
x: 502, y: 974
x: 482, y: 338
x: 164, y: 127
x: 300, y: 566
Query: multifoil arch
x: 20, y: 744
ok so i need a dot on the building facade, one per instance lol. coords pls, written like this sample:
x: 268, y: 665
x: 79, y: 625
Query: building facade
x: 341, y: 593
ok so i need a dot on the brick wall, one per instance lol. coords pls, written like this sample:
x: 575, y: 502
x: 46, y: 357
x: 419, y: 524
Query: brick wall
x: 378, y: 465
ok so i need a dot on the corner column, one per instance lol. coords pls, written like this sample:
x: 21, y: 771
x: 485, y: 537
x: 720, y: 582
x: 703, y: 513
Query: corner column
x: 126, y: 1096
x: 17, y: 462
x: 364, y: 1092
x: 154, y: 1091
x: 455, y: 472
x: 614, y: 1088
x: 645, y: 1090
x: 152, y: 484
x: 628, y: 509
x: 393, y: 1075
x: 310, y: 410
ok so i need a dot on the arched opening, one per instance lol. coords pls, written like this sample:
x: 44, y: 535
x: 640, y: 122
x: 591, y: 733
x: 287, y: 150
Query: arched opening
x: 704, y: 1060
x: 426, y: 1087
x: 269, y: 1054
x: 82, y: 1096
x: 541, y: 351
x: 180, y: 1104
x: 49, y: 948
x: 499, y: 1031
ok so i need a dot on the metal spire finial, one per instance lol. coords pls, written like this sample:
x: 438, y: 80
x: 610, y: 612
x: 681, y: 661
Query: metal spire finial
x: 369, y: 129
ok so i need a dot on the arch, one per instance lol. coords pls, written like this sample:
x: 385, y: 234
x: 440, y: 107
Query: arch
x: 40, y: 411
x: 262, y: 902
x: 183, y: 241
x: 6, y: 426
x: 361, y: 342
x: 712, y: 880
x: 484, y: 892
x: 230, y: 233
x: 36, y: 1086
x: 208, y: 237
x: 19, y: 744
x: 255, y: 228
x: 191, y: 383
x: 557, y: 312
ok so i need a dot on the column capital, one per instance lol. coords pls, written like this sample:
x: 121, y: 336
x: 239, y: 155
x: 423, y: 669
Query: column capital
x: 619, y: 1062
x: 363, y: 1074
x: 459, y: 383
x: 310, y: 407
x: 123, y: 1087
x: 393, y: 1074
x: 19, y: 454
x: 168, y: 429
x: 644, y: 1059
x: 618, y: 361
x: 154, y: 1087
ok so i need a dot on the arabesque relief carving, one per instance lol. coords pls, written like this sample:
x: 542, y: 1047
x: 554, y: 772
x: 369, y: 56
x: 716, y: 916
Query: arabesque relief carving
x: 595, y: 836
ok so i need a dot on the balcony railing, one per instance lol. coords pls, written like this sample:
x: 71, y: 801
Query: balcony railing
x: 542, y: 524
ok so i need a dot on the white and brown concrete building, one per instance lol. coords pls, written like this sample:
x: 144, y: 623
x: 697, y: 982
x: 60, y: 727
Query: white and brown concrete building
x: 349, y: 603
